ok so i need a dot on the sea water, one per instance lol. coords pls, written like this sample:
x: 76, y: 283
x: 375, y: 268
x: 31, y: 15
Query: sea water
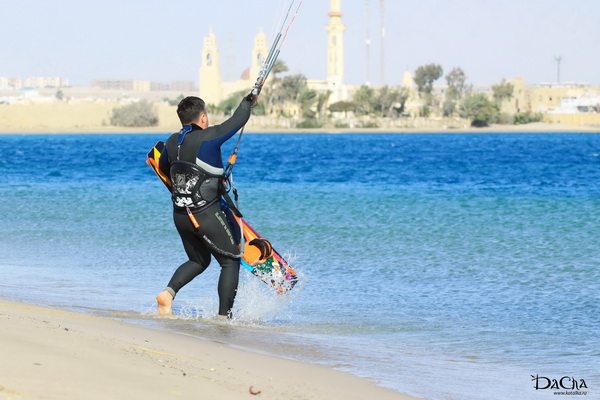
x: 446, y: 266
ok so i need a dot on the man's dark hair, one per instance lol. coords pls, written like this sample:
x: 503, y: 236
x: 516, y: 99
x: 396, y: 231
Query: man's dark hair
x: 189, y: 109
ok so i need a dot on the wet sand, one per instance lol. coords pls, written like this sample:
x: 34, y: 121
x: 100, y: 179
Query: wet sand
x: 57, y: 354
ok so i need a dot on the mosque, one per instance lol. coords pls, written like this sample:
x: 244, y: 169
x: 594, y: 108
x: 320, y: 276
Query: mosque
x: 549, y: 99
x: 214, y: 88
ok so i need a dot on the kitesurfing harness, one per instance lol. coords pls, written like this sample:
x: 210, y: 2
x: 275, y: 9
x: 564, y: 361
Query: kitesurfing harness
x: 193, y: 188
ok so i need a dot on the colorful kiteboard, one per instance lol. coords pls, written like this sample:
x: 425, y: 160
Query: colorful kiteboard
x: 264, y: 262
x: 152, y: 161
x: 259, y: 257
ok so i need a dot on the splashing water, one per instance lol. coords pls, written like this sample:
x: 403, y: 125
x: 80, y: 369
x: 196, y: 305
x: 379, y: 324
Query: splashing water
x: 261, y: 304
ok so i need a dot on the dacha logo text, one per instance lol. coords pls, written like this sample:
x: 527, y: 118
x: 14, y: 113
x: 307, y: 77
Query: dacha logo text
x: 566, y: 383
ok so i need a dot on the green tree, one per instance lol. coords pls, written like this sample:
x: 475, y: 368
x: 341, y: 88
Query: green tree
x: 528, y: 118
x: 286, y: 88
x: 228, y: 105
x: 283, y: 90
x: 390, y: 102
x: 342, y: 106
x: 309, y: 123
x: 449, y: 106
x: 140, y: 114
x: 231, y: 103
x: 425, y: 75
x: 291, y: 86
x: 503, y: 91
x: 175, y: 101
x: 323, y: 99
x: 279, y: 67
x: 456, y: 80
x: 307, y: 98
x: 59, y: 95
x: 479, y: 109
x: 365, y: 100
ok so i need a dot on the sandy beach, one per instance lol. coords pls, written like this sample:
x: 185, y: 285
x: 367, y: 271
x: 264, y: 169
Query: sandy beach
x: 57, y: 354
x: 92, y: 117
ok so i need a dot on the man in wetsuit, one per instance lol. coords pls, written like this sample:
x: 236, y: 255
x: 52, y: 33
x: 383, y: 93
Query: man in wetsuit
x: 192, y: 159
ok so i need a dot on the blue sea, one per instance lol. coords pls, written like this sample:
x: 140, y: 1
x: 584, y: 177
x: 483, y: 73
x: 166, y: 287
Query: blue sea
x: 445, y: 266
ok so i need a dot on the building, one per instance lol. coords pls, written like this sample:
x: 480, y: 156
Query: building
x: 567, y: 103
x: 213, y: 89
x: 113, y: 84
x: 38, y: 82
x: 143, y: 86
x: 335, y: 53
x: 181, y: 86
x: 210, y: 71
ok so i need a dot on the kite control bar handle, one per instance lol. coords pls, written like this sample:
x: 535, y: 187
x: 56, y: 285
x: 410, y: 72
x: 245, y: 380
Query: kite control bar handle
x: 267, y: 66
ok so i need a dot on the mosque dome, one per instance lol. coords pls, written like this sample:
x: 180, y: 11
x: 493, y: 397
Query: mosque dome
x: 245, y: 75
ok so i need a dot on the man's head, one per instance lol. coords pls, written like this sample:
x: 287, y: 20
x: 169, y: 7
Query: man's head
x: 192, y: 110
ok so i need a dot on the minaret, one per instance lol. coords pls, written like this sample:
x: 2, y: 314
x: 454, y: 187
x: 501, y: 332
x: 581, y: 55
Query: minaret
x: 382, y: 46
x: 407, y: 80
x: 335, y: 46
x: 210, y: 71
x: 259, y: 53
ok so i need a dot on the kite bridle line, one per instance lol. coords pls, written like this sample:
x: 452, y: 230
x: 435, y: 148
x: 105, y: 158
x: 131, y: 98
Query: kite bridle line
x: 265, y: 70
x: 273, y: 54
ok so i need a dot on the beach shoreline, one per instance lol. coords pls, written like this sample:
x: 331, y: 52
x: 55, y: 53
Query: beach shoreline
x: 55, y: 353
x: 79, y: 117
x: 534, y: 128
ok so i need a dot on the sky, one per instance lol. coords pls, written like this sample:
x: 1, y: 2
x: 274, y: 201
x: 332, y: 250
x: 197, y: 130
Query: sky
x: 161, y: 40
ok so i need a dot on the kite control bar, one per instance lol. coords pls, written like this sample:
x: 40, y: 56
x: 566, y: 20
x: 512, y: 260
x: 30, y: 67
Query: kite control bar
x: 267, y: 66
x: 273, y: 54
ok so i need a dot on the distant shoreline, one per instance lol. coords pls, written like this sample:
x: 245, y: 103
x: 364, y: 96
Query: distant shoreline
x: 73, y: 117
x: 530, y: 128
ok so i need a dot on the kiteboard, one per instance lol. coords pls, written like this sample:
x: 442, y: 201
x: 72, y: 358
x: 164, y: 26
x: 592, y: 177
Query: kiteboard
x: 264, y: 262
x: 152, y: 161
x: 259, y: 257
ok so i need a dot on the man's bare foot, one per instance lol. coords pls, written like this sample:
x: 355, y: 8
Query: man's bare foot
x: 164, y: 300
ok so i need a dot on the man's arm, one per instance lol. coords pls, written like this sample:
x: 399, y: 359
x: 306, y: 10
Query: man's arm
x: 228, y: 128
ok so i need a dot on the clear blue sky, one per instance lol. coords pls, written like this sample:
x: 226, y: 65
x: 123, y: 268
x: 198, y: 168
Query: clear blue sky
x: 162, y: 40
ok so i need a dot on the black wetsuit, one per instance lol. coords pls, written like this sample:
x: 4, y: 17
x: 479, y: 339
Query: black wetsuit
x: 217, y: 234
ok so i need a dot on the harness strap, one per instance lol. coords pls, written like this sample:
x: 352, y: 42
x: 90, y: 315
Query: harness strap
x: 181, y: 137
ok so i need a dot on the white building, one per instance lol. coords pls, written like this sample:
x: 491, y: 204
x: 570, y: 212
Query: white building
x: 213, y: 90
